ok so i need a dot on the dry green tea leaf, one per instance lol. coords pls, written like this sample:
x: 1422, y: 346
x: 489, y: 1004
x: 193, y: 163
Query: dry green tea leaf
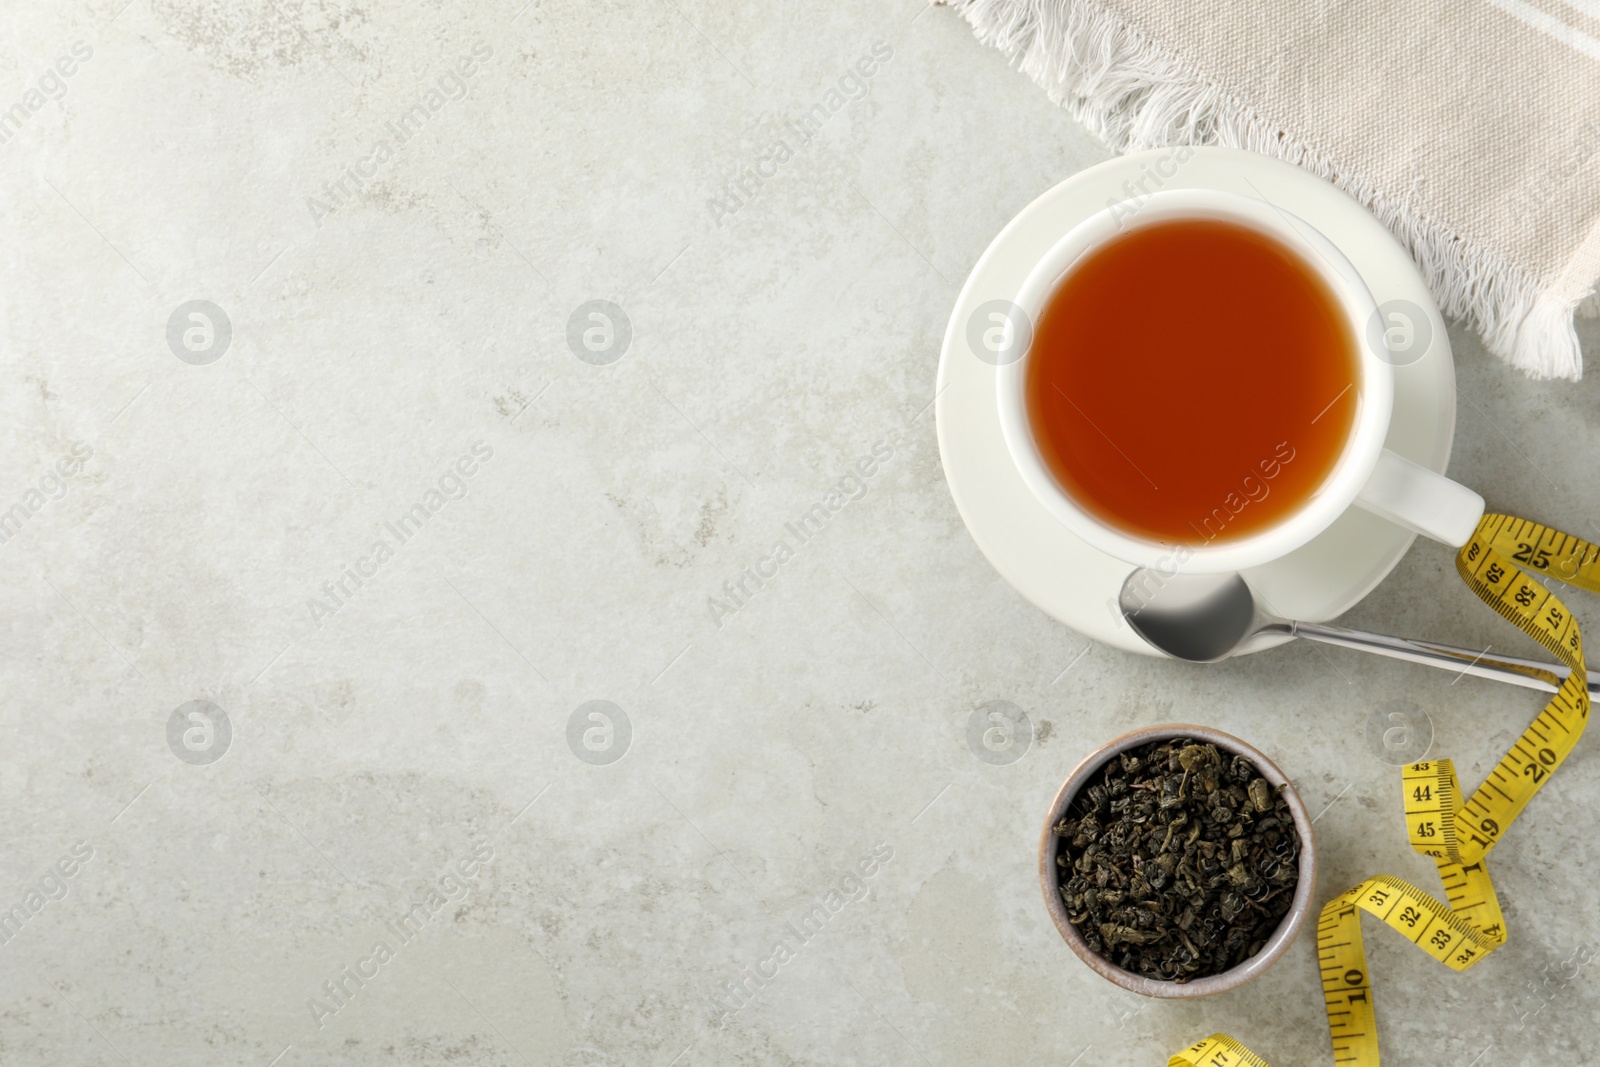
x: 1176, y: 861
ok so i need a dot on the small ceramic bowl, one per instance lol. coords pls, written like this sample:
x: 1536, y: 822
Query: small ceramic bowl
x: 1288, y: 928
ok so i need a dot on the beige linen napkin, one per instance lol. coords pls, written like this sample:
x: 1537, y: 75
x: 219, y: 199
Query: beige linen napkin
x: 1470, y: 127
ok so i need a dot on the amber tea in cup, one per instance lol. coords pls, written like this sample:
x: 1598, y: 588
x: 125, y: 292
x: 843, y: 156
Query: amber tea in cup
x: 1192, y: 381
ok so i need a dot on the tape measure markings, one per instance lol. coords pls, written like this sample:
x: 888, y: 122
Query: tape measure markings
x: 1456, y: 833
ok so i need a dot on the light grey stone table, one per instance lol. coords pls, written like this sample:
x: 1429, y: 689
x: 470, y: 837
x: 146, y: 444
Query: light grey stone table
x: 397, y: 216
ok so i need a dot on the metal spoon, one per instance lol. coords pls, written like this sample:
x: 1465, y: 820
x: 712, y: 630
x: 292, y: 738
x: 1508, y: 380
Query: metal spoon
x: 1204, y: 618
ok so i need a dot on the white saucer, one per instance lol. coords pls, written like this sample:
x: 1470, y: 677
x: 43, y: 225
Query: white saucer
x: 1052, y: 567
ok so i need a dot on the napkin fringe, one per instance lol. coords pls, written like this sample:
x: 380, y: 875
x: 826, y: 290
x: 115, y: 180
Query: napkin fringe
x: 1133, y: 96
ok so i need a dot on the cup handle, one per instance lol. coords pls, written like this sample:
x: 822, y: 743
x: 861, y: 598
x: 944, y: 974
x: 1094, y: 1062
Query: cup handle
x: 1410, y: 495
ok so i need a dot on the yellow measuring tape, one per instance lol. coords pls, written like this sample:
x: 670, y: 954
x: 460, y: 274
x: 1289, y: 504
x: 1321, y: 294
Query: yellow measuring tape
x: 1457, y: 833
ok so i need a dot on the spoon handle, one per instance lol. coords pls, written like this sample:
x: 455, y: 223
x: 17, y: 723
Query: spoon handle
x: 1516, y: 670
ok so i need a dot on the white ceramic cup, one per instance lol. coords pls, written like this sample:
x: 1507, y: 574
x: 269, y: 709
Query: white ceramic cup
x: 1366, y: 474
